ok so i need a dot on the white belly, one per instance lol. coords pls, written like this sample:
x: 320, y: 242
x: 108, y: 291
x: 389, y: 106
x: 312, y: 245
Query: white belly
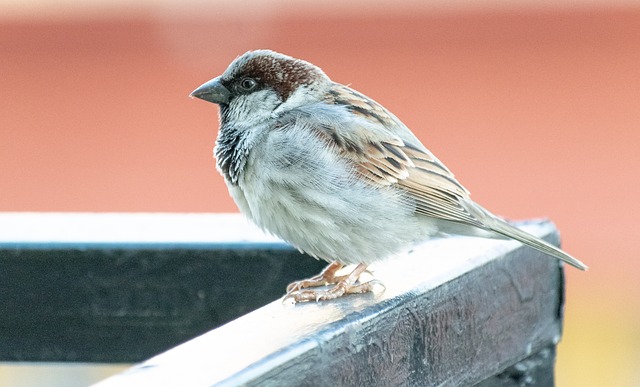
x: 311, y: 200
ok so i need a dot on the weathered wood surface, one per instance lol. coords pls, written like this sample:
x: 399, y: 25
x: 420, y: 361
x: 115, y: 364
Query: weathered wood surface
x: 455, y: 312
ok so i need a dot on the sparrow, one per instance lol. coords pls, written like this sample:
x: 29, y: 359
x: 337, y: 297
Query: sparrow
x: 335, y: 174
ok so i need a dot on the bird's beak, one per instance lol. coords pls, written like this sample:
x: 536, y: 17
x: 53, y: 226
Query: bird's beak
x: 212, y: 91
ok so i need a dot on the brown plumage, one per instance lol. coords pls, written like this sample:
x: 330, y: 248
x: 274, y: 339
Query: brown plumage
x: 335, y: 173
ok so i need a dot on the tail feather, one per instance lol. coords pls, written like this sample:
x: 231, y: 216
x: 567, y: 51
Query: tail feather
x: 504, y: 228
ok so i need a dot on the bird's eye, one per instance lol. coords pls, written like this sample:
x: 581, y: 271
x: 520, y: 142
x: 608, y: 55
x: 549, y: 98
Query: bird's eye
x: 248, y: 84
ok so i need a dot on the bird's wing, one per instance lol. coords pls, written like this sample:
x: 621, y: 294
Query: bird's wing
x: 388, y: 154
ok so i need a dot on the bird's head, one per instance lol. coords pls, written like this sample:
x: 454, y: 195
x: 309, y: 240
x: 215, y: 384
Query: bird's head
x: 259, y: 84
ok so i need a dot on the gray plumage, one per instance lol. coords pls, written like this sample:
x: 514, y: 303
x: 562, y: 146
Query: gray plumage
x: 333, y: 172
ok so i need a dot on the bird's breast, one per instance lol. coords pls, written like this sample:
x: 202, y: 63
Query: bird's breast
x: 231, y: 152
x: 303, y: 192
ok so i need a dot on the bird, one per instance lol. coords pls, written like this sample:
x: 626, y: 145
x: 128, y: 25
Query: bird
x: 335, y: 174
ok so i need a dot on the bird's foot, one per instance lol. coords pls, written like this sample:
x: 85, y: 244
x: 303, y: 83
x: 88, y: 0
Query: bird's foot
x: 326, y: 277
x: 338, y: 290
x: 344, y: 284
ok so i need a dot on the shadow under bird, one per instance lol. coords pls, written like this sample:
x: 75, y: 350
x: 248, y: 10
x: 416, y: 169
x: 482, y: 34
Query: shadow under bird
x: 335, y: 174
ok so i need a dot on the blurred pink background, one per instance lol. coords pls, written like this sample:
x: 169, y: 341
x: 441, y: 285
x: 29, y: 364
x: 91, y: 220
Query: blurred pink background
x: 535, y: 108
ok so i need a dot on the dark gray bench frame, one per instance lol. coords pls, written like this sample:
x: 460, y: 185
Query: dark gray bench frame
x: 456, y: 312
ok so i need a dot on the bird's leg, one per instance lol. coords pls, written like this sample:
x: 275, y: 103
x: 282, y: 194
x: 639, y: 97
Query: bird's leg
x: 345, y: 285
x: 326, y: 277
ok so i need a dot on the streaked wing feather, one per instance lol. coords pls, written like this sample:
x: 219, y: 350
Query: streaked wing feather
x: 392, y: 160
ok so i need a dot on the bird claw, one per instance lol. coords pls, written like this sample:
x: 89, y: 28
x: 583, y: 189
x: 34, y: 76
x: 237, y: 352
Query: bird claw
x: 342, y: 284
x: 339, y: 290
x: 326, y: 277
